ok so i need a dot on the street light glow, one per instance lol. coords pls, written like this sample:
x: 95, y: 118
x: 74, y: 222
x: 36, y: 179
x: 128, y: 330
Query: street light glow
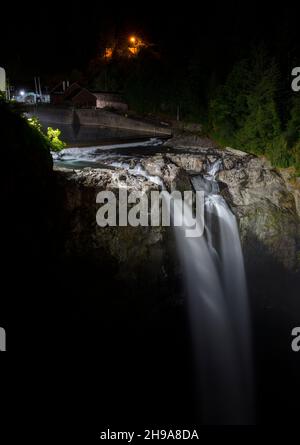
x: 22, y: 93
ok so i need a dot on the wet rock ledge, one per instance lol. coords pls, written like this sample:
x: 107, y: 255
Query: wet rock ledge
x: 258, y: 195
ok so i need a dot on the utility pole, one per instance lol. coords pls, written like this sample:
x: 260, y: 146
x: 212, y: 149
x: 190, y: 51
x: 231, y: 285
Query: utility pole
x: 7, y: 90
x: 178, y: 113
x: 40, y: 89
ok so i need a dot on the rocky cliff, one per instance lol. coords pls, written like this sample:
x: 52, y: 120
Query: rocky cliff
x: 259, y: 196
x: 263, y: 199
x: 134, y: 273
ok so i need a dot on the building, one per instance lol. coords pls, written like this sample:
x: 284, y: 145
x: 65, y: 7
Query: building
x: 110, y: 100
x: 80, y: 97
x: 57, y: 93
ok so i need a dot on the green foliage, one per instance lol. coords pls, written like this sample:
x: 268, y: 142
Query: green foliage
x: 293, y: 126
x: 279, y: 153
x: 35, y: 123
x: 296, y: 156
x: 261, y: 127
x: 53, y: 136
x: 251, y: 110
x: 244, y: 112
x: 228, y: 107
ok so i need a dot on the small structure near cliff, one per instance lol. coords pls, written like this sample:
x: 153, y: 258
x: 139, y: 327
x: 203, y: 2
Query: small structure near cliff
x: 80, y: 97
x: 110, y: 100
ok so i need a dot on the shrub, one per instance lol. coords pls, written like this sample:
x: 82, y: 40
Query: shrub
x: 296, y: 156
x: 278, y: 152
x: 261, y: 128
x: 293, y: 125
x: 53, y: 136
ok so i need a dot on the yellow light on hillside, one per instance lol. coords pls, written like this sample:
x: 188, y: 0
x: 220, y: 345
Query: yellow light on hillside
x: 108, y: 53
x: 133, y: 50
x: 132, y: 39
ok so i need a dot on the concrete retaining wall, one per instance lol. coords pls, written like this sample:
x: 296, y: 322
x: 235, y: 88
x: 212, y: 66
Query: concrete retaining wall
x: 53, y: 115
x: 97, y: 118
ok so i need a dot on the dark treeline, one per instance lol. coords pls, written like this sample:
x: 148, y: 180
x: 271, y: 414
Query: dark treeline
x: 226, y: 65
x: 251, y: 106
x: 256, y: 110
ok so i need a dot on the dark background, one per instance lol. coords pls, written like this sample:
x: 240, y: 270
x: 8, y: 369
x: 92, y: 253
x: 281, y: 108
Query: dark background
x: 51, y: 38
x: 123, y: 384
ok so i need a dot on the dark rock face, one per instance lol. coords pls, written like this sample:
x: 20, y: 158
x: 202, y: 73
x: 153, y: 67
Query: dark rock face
x: 128, y: 246
x: 174, y: 176
x: 124, y: 285
x: 129, y: 264
x: 258, y: 195
x: 265, y: 208
x: 139, y: 268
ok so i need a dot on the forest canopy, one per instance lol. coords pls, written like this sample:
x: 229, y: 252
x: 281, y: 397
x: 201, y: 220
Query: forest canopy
x: 253, y: 107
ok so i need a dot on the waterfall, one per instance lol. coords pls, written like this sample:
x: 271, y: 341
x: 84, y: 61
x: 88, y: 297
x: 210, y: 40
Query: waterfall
x: 215, y: 283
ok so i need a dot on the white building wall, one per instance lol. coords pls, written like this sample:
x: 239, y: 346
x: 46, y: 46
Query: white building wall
x: 103, y: 102
x: 2, y: 80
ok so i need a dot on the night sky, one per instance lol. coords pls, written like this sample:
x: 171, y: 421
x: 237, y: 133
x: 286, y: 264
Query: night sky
x: 54, y: 38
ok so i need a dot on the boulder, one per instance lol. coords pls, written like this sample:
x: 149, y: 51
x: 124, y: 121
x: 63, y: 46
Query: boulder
x: 266, y: 210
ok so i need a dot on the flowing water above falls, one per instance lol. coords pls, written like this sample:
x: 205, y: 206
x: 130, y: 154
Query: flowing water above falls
x: 99, y: 156
x: 215, y: 283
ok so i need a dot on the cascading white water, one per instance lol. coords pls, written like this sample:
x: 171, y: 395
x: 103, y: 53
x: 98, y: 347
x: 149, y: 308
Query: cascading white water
x: 215, y: 281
